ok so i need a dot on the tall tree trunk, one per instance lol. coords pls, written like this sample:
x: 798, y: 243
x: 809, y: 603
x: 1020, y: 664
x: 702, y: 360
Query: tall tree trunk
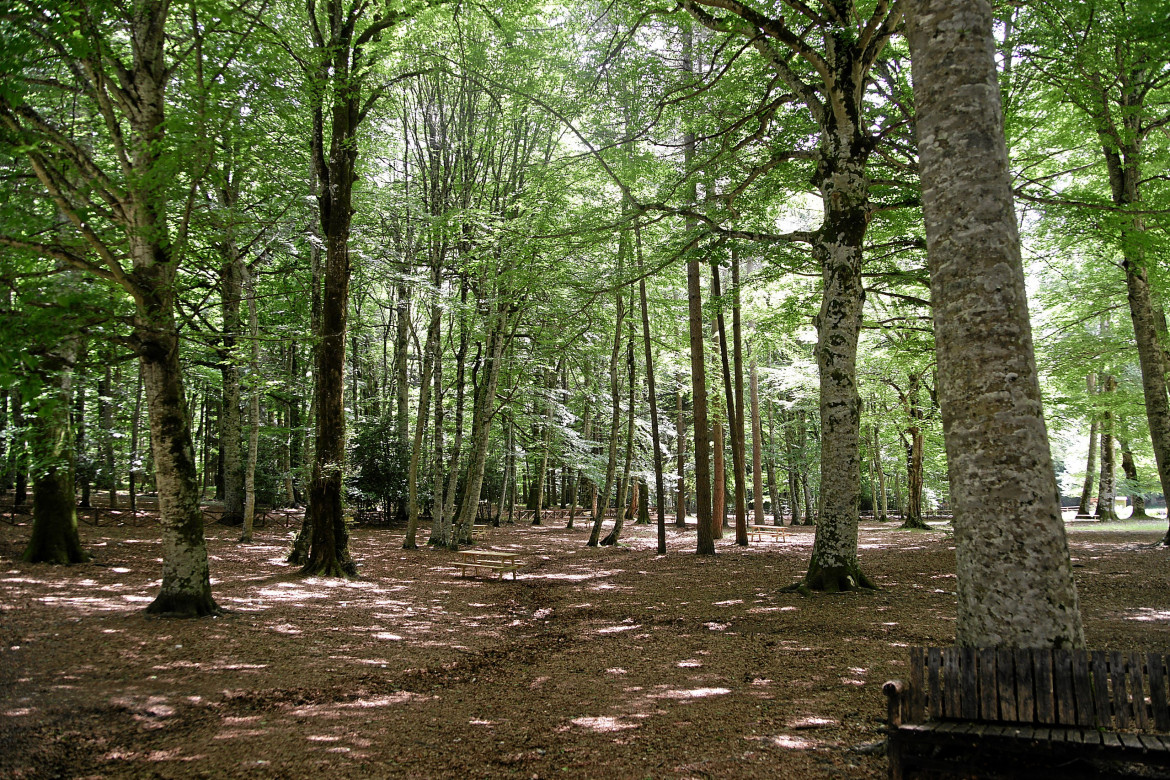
x: 914, y: 472
x: 231, y: 425
x: 546, y: 444
x: 1107, y: 483
x: 430, y: 357
x: 680, y: 501
x: 757, y: 448
x: 844, y: 189
x: 253, y: 406
x: 706, y: 541
x: 883, y: 513
x: 627, y: 483
x: 54, y: 537
x: 106, y: 418
x: 1127, y: 466
x: 615, y: 420
x: 1091, y: 466
x: 80, y: 444
x: 719, y: 482
x: 135, y: 456
x: 483, y: 413
x: 186, y: 578
x: 1015, y: 584
x: 655, y: 436
x: 770, y: 463
x: 18, y: 452
x: 738, y: 438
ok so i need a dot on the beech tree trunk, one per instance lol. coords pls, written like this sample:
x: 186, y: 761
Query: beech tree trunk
x: 680, y: 501
x: 430, y: 356
x: 1130, y: 469
x: 1015, y: 584
x: 615, y: 421
x: 231, y: 425
x: 1107, y: 482
x: 757, y: 448
x: 54, y: 537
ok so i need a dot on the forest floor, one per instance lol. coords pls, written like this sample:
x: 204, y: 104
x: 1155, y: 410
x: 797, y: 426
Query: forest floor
x: 594, y: 663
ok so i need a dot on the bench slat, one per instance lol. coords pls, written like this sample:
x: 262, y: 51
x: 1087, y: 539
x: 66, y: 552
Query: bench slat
x: 1152, y: 743
x: 1131, y: 741
x: 1042, y: 665
x: 1063, y: 688
x: 1101, y: 690
x: 988, y: 701
x: 1082, y: 688
x: 1155, y: 666
x: 917, y: 699
x: 1138, y: 686
x: 934, y: 660
x: 969, y: 705
x: 1121, y: 707
x: 1006, y: 686
x: 1025, y: 699
x: 1110, y: 739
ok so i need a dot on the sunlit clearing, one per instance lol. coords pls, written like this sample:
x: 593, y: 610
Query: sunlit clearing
x: 615, y: 670
x: 690, y: 663
x: 478, y: 722
x: 792, y: 743
x: 616, y: 629
x: 717, y: 626
x: 603, y: 724
x: 388, y: 637
x: 323, y: 738
x: 728, y: 603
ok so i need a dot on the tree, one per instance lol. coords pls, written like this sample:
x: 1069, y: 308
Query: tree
x: 1014, y: 575
x: 116, y: 201
x: 831, y: 84
x: 1109, y: 58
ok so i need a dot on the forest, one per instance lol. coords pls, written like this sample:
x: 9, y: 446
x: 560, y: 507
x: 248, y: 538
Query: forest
x: 415, y: 277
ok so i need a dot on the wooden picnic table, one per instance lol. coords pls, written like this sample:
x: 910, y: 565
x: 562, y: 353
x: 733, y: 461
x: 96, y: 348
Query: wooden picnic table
x: 756, y: 533
x: 491, y: 560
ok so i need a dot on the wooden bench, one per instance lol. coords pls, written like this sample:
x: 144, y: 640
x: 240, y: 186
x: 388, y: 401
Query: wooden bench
x: 489, y: 560
x: 756, y: 533
x: 1008, y: 712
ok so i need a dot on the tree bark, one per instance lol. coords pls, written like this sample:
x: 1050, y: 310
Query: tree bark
x: 680, y: 501
x: 1015, y: 584
x: 1107, y: 483
x: 54, y: 537
x: 231, y: 427
x: 253, y: 406
x: 655, y: 436
x: 430, y: 357
x: 757, y: 447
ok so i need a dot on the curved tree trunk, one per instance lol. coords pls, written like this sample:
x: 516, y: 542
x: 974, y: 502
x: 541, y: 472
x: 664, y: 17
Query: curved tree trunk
x: 1015, y: 584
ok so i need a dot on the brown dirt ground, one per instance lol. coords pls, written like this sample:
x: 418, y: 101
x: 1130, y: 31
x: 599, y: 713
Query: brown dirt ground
x: 595, y: 663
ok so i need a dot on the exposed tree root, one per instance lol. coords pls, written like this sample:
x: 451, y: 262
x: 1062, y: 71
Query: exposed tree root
x: 843, y: 579
x: 184, y: 605
x: 914, y: 524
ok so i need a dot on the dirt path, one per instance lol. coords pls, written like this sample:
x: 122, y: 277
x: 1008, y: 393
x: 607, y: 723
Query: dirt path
x: 595, y: 663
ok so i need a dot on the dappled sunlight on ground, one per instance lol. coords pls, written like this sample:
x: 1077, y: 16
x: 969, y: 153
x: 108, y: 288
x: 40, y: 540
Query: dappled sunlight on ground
x: 668, y: 666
